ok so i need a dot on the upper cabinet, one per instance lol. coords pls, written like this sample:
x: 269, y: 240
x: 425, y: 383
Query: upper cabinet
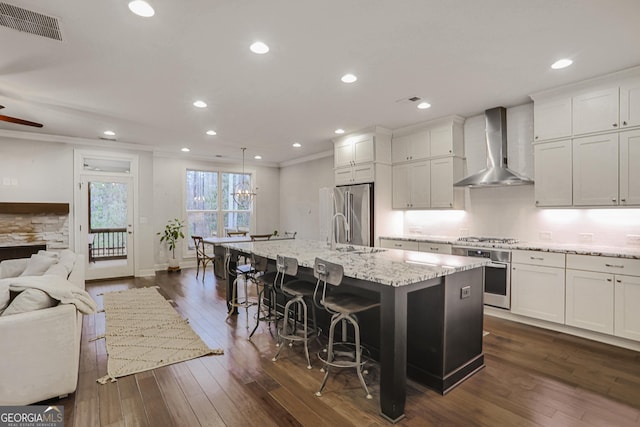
x: 413, y: 146
x: 354, y: 150
x: 552, y: 118
x: 431, y: 139
x: 356, y: 155
x: 587, y: 139
x: 630, y: 103
x: 595, y: 111
x: 427, y: 160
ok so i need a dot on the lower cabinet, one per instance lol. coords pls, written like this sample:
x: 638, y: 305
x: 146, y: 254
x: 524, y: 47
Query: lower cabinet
x: 537, y: 285
x: 399, y: 244
x: 627, y: 304
x: 590, y: 302
x: 603, y: 294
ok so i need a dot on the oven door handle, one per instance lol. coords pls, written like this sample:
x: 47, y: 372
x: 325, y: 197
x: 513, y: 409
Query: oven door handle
x: 494, y: 265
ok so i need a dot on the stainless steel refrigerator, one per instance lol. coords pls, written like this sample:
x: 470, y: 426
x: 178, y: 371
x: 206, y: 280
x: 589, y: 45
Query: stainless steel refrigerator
x: 355, y: 202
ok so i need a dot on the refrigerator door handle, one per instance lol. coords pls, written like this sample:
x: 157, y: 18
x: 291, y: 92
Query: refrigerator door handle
x: 349, y: 216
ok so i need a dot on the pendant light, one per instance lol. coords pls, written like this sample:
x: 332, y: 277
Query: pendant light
x: 243, y: 193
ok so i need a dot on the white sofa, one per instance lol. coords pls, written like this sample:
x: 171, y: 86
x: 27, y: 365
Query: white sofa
x: 40, y: 350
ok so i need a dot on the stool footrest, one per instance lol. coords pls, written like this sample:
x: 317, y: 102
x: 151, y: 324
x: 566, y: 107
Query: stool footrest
x: 344, y: 355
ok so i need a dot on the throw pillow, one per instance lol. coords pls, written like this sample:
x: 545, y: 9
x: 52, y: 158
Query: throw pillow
x: 38, y: 264
x: 57, y: 270
x: 29, y: 300
x: 4, y: 295
x: 51, y: 254
x: 12, y: 267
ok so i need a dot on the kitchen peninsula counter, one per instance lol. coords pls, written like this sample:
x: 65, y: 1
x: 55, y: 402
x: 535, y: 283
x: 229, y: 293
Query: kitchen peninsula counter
x: 429, y: 323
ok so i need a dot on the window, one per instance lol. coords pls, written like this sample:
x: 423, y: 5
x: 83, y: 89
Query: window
x: 211, y: 209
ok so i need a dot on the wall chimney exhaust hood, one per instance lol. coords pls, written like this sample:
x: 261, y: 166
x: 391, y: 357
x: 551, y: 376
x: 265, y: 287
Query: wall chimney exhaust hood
x: 496, y: 173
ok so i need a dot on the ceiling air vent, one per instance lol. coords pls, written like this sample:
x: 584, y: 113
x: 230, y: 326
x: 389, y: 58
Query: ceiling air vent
x: 29, y: 21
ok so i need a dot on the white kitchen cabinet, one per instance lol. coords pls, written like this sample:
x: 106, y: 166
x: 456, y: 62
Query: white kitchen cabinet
x: 552, y: 118
x: 595, y: 170
x: 355, y: 174
x: 600, y: 293
x: 627, y: 307
x: 411, y: 185
x: 413, y: 146
x: 595, y: 111
x: 399, y: 244
x: 590, y: 300
x: 354, y: 150
x: 437, y: 248
x: 630, y: 168
x: 444, y: 172
x: 553, y: 173
x: 538, y: 285
x: 447, y: 140
x: 630, y: 103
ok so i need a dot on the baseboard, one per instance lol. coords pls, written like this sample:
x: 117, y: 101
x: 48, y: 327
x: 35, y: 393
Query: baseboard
x: 569, y: 330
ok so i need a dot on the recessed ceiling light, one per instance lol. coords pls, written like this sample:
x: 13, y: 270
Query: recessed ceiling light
x: 109, y: 133
x: 185, y: 149
x: 200, y: 104
x: 257, y: 157
x: 211, y: 132
x: 141, y: 8
x: 259, y: 47
x: 297, y: 144
x: 424, y: 105
x: 349, y: 78
x: 561, y: 63
x: 339, y: 131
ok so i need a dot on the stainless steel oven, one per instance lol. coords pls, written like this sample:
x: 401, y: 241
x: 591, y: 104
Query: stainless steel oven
x: 497, y: 274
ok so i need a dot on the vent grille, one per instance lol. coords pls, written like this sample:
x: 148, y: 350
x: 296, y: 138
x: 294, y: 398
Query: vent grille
x: 28, y: 21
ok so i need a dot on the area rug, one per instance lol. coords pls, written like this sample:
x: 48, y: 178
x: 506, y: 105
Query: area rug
x: 143, y: 331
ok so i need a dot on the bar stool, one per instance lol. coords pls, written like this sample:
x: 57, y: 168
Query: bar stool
x: 266, y: 283
x: 202, y: 257
x: 246, y: 273
x: 343, y: 307
x: 298, y: 290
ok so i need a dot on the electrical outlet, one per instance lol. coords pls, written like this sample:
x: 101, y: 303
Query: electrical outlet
x: 465, y: 292
x: 544, y: 235
x: 586, y: 237
x: 633, y: 239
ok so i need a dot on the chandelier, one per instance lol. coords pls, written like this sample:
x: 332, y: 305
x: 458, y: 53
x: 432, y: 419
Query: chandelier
x: 243, y: 193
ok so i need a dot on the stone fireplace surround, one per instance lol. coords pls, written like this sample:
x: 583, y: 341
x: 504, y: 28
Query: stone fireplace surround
x: 23, y: 224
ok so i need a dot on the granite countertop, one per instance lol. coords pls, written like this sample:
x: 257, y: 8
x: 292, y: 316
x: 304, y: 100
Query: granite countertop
x: 391, y: 267
x: 568, y: 248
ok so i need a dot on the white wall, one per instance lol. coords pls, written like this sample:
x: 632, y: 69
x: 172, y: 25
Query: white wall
x: 300, y: 195
x: 510, y: 211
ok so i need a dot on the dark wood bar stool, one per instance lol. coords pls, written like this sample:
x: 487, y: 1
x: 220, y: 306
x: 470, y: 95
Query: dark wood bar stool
x: 202, y: 258
x: 343, y: 307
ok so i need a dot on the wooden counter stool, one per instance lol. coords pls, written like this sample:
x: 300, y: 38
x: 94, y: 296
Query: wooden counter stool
x: 298, y: 290
x: 201, y: 256
x: 343, y: 307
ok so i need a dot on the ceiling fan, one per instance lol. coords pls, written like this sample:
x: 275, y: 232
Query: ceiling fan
x: 18, y: 121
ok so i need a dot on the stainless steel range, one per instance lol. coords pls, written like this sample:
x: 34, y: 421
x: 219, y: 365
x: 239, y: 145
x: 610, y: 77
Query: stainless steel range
x: 497, y: 274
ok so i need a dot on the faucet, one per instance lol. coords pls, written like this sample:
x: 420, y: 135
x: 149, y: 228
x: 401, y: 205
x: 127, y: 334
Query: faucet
x: 334, y: 237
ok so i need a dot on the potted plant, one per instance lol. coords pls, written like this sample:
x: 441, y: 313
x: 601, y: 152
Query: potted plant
x: 172, y: 232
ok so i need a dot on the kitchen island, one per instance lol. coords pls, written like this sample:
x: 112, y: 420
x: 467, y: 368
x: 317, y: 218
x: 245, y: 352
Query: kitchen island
x: 429, y: 323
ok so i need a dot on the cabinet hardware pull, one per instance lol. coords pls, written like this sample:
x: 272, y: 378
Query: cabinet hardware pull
x: 618, y: 281
x: 623, y: 200
x: 614, y: 265
x: 613, y: 199
x: 615, y: 125
x: 538, y: 258
x: 435, y: 249
x: 536, y: 137
x: 624, y: 123
x: 609, y: 280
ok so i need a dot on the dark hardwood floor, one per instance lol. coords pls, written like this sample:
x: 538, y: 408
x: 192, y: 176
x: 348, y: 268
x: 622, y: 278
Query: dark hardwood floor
x: 533, y: 377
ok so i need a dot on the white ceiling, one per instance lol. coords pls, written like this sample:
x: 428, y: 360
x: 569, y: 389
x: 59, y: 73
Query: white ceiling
x: 139, y: 76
